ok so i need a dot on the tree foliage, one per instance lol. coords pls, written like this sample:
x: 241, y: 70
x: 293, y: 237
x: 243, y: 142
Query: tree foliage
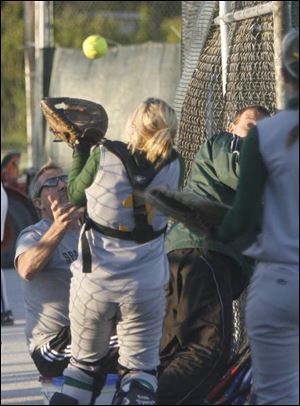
x: 125, y: 22
x: 13, y: 116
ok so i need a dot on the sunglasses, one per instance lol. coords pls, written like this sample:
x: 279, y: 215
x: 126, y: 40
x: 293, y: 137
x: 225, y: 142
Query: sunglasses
x: 53, y: 182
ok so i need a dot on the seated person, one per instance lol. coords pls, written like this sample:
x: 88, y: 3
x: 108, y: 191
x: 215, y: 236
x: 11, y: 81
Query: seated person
x: 197, y: 333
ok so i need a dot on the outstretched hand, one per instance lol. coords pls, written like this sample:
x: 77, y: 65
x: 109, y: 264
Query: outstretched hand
x: 63, y: 215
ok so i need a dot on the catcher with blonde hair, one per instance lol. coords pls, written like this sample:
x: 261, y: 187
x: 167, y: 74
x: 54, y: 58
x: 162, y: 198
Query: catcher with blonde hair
x: 120, y: 276
x: 156, y: 148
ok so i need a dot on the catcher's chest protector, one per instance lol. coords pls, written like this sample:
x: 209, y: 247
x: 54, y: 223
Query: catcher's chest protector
x: 140, y: 173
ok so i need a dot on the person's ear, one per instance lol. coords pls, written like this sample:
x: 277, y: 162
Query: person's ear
x: 38, y: 203
x: 231, y: 128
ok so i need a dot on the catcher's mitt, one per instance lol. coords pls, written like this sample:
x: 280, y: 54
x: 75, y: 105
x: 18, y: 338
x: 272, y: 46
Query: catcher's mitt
x: 197, y: 213
x: 75, y: 120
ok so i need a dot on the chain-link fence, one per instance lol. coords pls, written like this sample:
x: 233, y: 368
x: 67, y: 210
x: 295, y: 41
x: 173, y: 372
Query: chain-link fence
x: 250, y: 80
x: 203, y: 104
x: 251, y: 76
x: 123, y: 22
x: 240, y: 5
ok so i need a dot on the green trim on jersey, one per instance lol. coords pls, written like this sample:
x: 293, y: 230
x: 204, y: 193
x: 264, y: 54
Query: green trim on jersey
x: 182, y: 169
x: 78, y: 384
x: 245, y: 217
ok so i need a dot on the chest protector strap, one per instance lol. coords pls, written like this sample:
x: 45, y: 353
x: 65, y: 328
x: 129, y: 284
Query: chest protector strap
x: 140, y: 172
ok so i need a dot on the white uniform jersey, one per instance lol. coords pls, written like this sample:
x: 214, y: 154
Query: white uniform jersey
x: 125, y: 270
x: 279, y: 240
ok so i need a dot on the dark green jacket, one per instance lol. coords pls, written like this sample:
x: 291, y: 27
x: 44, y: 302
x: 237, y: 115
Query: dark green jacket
x: 245, y: 218
x: 214, y: 174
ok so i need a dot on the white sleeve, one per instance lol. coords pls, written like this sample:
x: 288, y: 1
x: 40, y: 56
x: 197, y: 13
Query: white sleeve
x: 4, y: 207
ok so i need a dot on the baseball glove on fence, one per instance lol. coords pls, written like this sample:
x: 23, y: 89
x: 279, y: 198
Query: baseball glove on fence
x: 197, y: 213
x: 75, y: 121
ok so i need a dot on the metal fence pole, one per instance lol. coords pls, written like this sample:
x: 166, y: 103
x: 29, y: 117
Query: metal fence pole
x: 256, y: 11
x: 225, y: 8
x: 280, y: 28
x: 42, y: 41
x: 29, y: 75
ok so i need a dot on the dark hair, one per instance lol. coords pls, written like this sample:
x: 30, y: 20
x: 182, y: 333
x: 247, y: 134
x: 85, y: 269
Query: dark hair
x: 256, y: 107
x: 8, y: 157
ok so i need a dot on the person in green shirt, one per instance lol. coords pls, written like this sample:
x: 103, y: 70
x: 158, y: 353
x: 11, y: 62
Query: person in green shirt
x: 267, y: 206
x: 197, y: 332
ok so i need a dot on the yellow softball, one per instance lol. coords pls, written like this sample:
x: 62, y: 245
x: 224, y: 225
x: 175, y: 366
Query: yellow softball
x: 94, y: 47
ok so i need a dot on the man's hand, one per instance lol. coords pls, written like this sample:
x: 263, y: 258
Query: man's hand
x: 63, y: 215
x: 37, y: 257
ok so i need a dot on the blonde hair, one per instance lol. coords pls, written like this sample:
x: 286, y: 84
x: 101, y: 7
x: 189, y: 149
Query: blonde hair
x: 153, y: 130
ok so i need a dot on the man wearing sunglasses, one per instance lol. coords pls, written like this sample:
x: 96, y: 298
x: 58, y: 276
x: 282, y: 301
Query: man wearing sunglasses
x: 44, y: 254
x: 43, y: 257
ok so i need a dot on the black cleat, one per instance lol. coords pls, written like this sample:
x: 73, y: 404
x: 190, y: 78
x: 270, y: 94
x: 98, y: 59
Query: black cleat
x: 138, y: 394
x: 62, y: 399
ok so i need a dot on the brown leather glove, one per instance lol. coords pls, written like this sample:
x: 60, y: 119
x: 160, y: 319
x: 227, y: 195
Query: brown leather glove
x: 75, y: 121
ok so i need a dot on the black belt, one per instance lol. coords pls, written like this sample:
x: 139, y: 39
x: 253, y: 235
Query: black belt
x: 140, y: 238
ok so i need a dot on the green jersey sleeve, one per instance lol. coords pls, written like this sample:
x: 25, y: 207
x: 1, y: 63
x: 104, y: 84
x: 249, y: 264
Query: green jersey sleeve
x: 83, y: 172
x: 182, y: 169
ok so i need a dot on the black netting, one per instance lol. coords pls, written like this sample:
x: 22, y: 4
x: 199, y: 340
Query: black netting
x: 240, y: 5
x: 250, y: 78
x: 201, y: 113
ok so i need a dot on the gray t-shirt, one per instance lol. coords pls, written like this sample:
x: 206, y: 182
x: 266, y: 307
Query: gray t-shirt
x: 46, y: 295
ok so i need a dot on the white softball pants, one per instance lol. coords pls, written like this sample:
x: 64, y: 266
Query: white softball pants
x: 272, y: 321
x: 139, y: 327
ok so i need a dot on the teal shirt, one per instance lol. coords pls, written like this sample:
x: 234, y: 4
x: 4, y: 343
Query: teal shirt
x: 215, y: 169
x: 214, y: 174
